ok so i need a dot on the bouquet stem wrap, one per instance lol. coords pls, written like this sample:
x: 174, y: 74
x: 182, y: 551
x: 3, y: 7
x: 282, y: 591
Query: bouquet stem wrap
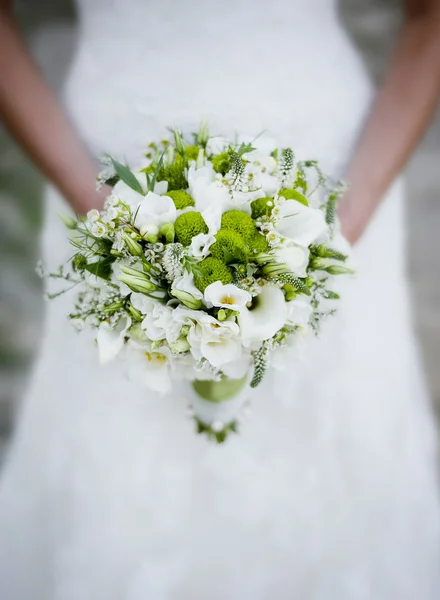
x: 218, y: 404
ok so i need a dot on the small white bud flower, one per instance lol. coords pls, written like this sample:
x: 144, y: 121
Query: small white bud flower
x: 273, y: 238
x: 93, y: 215
x: 98, y: 229
x: 217, y: 426
x: 112, y: 213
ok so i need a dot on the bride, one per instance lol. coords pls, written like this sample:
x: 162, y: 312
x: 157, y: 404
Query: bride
x: 329, y: 492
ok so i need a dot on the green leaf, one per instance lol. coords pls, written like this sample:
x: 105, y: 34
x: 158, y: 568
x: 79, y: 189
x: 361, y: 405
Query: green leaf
x: 152, y: 181
x: 127, y: 177
x: 101, y: 268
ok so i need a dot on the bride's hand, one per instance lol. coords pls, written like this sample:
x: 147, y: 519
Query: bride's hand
x: 399, y: 116
x: 354, y: 216
x: 31, y: 112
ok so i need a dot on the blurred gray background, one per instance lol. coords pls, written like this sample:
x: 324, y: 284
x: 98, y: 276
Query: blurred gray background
x: 50, y: 29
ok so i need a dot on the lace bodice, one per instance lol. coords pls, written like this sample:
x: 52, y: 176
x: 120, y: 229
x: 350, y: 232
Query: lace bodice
x: 249, y: 65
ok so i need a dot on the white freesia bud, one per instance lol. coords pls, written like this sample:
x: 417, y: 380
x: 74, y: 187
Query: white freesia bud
x: 201, y: 159
x: 150, y: 232
x: 68, y: 221
x: 203, y: 135
x: 187, y: 299
x: 133, y: 247
x: 136, y: 280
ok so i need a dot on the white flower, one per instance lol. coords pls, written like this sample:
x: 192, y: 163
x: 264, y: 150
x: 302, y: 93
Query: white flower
x: 148, y: 367
x: 93, y: 215
x: 300, y: 223
x: 129, y: 196
x: 111, y: 340
x: 299, y: 311
x: 204, y: 188
x: 112, y: 213
x: 154, y: 211
x: 185, y: 283
x: 158, y: 323
x: 216, y: 145
x: 216, y: 341
x: 200, y: 245
x: 273, y: 238
x: 264, y: 318
x: 213, y: 217
x: 226, y: 296
x: 98, y: 229
x: 294, y: 256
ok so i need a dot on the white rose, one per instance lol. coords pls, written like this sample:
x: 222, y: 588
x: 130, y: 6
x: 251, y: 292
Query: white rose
x: 294, y: 256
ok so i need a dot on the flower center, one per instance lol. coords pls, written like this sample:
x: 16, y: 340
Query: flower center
x: 155, y: 357
x: 227, y: 300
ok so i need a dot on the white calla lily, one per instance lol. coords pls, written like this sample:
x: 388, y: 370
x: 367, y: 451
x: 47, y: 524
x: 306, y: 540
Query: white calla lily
x: 226, y: 296
x: 300, y: 223
x: 264, y: 318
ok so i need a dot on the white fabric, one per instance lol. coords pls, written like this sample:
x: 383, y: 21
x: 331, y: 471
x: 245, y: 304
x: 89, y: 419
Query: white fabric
x: 329, y: 492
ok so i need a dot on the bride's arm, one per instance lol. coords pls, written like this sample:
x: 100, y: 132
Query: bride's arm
x: 31, y: 112
x: 400, y: 115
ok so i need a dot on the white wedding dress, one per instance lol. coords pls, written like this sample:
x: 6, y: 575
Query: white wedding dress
x: 329, y: 491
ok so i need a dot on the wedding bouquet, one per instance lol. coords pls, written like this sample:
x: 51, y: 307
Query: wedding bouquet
x: 203, y: 264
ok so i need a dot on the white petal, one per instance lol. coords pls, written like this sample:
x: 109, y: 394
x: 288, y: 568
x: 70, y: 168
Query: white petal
x: 110, y: 341
x: 299, y: 311
x: 221, y: 351
x: 265, y: 319
x: 226, y: 296
x: 185, y: 283
x: 295, y: 257
x: 300, y: 223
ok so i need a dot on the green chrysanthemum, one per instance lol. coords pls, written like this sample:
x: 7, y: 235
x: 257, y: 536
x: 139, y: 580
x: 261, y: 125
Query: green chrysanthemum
x: 210, y: 270
x: 181, y: 199
x: 257, y: 243
x: 188, y: 226
x: 239, y: 221
x: 262, y: 207
x: 221, y: 163
x: 174, y: 174
x: 229, y: 247
x: 294, y: 195
x: 192, y: 152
